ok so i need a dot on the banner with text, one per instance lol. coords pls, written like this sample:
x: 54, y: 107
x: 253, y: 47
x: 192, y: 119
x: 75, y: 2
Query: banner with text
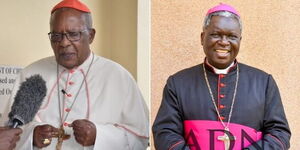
x: 8, y: 76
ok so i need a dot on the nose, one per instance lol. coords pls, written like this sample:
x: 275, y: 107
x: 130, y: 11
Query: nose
x: 224, y: 41
x: 65, y: 42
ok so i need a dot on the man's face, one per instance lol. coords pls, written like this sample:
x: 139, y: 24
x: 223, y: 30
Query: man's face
x: 221, y: 41
x: 68, y: 53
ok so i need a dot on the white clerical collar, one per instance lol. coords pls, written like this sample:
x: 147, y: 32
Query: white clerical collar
x: 220, y: 71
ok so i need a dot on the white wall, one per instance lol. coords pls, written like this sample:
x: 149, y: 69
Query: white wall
x: 25, y: 24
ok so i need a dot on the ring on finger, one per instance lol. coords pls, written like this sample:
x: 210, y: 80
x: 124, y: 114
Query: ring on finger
x: 46, y: 141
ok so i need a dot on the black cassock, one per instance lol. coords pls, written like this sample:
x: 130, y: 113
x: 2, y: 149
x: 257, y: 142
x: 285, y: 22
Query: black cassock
x: 187, y: 118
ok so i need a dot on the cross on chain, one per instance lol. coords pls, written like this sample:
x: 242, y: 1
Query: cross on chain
x: 226, y: 139
x: 61, y: 137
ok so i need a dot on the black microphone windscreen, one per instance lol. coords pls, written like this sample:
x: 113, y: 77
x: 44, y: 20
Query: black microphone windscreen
x: 27, y: 101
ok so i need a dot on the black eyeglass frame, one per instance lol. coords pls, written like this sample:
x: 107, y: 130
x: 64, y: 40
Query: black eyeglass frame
x: 67, y: 35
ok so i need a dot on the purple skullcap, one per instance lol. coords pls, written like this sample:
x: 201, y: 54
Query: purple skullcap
x: 222, y: 7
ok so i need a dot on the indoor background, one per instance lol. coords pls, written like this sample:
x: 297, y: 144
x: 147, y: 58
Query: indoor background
x: 270, y: 42
x: 25, y: 25
x: 122, y: 34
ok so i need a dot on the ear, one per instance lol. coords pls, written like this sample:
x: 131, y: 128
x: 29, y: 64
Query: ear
x: 92, y: 33
x: 202, y: 38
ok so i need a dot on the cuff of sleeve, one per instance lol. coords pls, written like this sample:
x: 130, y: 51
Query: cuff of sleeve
x: 110, y: 137
x: 26, y: 140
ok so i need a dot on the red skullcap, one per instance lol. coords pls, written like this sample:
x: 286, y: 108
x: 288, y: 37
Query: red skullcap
x: 75, y: 4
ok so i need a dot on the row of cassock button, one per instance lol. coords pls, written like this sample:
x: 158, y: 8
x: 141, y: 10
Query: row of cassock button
x: 69, y: 95
x: 222, y: 85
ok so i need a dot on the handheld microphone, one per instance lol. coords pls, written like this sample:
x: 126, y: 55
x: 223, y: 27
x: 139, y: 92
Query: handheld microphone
x: 27, y: 101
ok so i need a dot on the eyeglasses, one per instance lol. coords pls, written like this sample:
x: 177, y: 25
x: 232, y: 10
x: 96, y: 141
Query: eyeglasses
x: 71, y: 36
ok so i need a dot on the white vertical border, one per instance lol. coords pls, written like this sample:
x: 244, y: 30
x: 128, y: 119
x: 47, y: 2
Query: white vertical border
x: 144, y: 51
x: 143, y: 48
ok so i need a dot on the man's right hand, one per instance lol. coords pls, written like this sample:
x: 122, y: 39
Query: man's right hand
x: 43, y: 134
x: 9, y: 137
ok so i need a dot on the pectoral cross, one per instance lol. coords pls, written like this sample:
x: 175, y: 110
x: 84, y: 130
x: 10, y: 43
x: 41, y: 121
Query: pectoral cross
x: 225, y: 138
x: 61, y: 137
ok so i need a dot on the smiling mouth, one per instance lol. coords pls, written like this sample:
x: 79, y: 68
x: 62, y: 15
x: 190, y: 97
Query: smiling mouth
x: 222, y: 51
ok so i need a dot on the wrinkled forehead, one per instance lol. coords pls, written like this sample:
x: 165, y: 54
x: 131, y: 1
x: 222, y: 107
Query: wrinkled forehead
x: 67, y: 19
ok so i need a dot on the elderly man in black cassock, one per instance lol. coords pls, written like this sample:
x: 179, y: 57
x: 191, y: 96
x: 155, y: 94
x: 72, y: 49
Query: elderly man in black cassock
x: 221, y: 103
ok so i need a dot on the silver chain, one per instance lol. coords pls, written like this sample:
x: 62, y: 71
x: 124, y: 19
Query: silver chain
x: 213, y: 99
x: 62, y: 118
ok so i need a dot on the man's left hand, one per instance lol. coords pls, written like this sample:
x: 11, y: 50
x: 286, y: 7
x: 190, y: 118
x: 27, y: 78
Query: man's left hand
x: 84, y: 132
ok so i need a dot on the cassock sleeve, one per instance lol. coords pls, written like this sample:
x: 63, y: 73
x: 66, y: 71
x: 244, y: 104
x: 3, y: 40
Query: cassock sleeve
x: 26, y: 140
x: 168, y: 125
x: 113, y: 137
x: 132, y: 130
x: 275, y: 127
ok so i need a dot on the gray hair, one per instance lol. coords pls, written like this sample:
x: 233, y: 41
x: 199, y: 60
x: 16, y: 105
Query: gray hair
x: 86, y: 16
x: 223, y: 14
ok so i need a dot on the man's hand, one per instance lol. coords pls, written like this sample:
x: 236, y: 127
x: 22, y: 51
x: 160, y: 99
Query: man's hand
x: 9, y: 137
x: 84, y: 132
x: 43, y: 134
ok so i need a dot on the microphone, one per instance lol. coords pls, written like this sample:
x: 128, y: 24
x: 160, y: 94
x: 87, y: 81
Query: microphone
x: 28, y: 101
